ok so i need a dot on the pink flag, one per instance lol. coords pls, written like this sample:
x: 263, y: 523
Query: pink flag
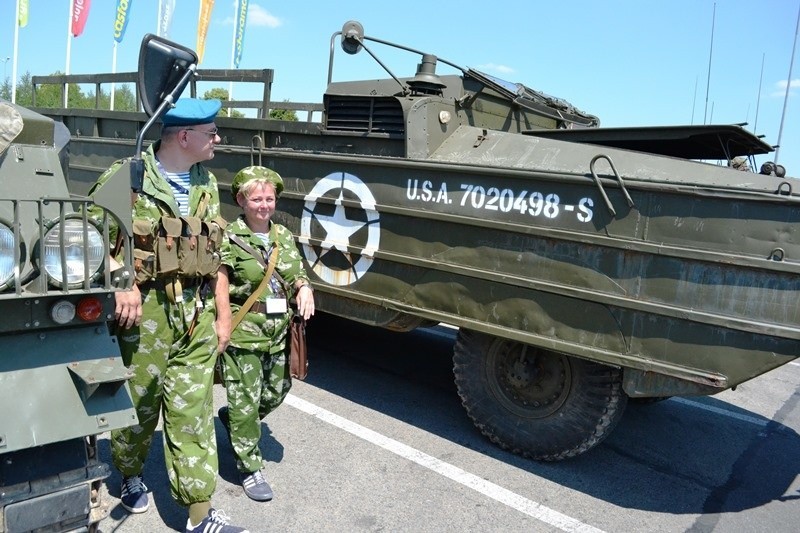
x: 80, y: 12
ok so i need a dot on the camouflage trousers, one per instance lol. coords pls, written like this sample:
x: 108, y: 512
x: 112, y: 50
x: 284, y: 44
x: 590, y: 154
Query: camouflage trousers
x: 173, y: 376
x: 256, y: 384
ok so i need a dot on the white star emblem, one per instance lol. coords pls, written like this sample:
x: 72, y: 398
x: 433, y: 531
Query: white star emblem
x: 338, y: 228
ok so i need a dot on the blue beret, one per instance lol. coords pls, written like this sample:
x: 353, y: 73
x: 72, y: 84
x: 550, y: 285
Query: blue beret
x: 191, y: 111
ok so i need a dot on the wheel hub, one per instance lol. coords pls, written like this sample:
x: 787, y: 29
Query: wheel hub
x: 530, y: 382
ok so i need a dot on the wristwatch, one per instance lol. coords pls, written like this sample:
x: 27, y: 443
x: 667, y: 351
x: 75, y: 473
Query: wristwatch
x: 305, y: 285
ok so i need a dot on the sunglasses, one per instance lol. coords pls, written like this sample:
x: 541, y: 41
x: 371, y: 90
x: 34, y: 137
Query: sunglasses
x: 213, y: 133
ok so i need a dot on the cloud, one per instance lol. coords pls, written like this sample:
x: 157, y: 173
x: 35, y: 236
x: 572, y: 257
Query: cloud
x: 491, y: 67
x: 780, y: 88
x: 257, y: 16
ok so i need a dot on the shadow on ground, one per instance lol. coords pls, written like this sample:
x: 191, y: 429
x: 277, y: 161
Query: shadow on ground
x: 667, y: 457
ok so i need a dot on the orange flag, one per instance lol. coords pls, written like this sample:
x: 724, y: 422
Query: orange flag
x: 202, y: 27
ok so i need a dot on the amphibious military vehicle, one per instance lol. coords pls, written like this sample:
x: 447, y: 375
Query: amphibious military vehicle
x: 62, y: 380
x: 582, y: 266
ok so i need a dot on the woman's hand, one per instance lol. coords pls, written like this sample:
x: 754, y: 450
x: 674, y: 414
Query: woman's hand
x: 305, y: 301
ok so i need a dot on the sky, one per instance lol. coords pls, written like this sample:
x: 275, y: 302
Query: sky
x: 629, y: 62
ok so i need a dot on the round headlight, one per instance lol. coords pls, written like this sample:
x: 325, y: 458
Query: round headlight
x: 76, y: 253
x: 7, y: 247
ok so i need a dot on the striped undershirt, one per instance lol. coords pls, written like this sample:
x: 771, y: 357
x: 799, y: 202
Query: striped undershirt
x: 179, y: 182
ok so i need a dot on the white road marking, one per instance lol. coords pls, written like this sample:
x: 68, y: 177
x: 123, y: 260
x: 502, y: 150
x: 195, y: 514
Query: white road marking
x: 447, y: 335
x: 744, y: 418
x: 794, y: 363
x: 496, y: 492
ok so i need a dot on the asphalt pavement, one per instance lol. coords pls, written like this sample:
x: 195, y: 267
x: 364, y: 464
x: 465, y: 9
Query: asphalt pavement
x: 376, y: 440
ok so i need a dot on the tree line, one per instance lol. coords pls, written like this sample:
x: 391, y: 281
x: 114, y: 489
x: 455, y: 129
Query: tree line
x: 124, y: 98
x: 50, y: 95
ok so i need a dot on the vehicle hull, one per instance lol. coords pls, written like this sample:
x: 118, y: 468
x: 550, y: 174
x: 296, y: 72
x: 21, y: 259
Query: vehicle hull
x: 697, y: 280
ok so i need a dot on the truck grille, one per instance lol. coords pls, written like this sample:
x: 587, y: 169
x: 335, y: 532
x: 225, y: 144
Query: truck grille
x: 364, y: 114
x: 29, y: 221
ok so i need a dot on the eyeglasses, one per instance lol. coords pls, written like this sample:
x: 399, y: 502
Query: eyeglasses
x: 213, y: 133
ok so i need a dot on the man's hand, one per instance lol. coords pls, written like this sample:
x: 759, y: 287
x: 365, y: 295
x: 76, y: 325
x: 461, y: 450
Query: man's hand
x: 128, y: 311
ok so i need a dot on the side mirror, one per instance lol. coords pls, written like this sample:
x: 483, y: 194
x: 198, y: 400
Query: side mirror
x: 163, y: 66
x: 165, y: 69
x: 352, y: 37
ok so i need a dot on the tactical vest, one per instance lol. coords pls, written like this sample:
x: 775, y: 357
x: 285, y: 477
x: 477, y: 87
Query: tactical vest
x: 177, y: 246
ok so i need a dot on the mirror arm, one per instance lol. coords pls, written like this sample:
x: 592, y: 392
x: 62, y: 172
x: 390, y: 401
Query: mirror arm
x: 353, y: 40
x: 402, y: 85
x: 137, y: 163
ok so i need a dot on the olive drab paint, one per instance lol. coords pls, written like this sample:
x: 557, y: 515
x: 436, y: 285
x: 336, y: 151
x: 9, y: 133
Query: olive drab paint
x: 581, y: 265
x: 63, y: 378
x: 57, y: 347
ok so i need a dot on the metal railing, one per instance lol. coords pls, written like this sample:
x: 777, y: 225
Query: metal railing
x: 262, y: 76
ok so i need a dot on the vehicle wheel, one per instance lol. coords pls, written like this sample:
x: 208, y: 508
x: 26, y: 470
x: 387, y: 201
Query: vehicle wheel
x: 536, y: 403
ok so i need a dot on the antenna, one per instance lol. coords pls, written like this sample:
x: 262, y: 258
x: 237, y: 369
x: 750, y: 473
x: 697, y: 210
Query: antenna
x: 788, y: 86
x: 710, y: 51
x: 758, y: 100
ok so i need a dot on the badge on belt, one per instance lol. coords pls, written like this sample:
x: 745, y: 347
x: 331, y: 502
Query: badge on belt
x: 276, y: 306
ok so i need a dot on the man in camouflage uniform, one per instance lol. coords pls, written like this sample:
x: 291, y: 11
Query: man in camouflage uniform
x: 255, y: 366
x: 166, y: 325
x: 740, y: 163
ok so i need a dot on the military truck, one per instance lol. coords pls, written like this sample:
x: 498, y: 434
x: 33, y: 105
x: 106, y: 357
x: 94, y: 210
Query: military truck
x: 582, y: 265
x: 62, y: 379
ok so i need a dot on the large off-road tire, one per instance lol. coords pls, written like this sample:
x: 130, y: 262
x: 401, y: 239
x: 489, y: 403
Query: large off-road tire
x: 536, y: 403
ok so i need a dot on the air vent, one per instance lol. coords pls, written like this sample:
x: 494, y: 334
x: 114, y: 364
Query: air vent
x: 364, y: 114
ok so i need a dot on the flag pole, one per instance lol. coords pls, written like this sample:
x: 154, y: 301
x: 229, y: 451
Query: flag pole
x: 788, y: 86
x: 113, y: 71
x: 233, y: 51
x: 16, y: 54
x: 69, y: 44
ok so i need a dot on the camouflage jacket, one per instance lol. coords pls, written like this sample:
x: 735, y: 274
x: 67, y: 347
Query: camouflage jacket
x: 157, y: 200
x: 257, y: 331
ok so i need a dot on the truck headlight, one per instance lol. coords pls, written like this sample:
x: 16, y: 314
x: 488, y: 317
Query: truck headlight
x: 76, y: 253
x: 7, y: 247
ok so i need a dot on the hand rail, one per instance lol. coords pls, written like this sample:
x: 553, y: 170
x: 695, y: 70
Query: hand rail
x: 600, y: 185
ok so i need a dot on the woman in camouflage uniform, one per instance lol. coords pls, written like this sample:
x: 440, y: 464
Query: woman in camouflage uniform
x: 255, y: 366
